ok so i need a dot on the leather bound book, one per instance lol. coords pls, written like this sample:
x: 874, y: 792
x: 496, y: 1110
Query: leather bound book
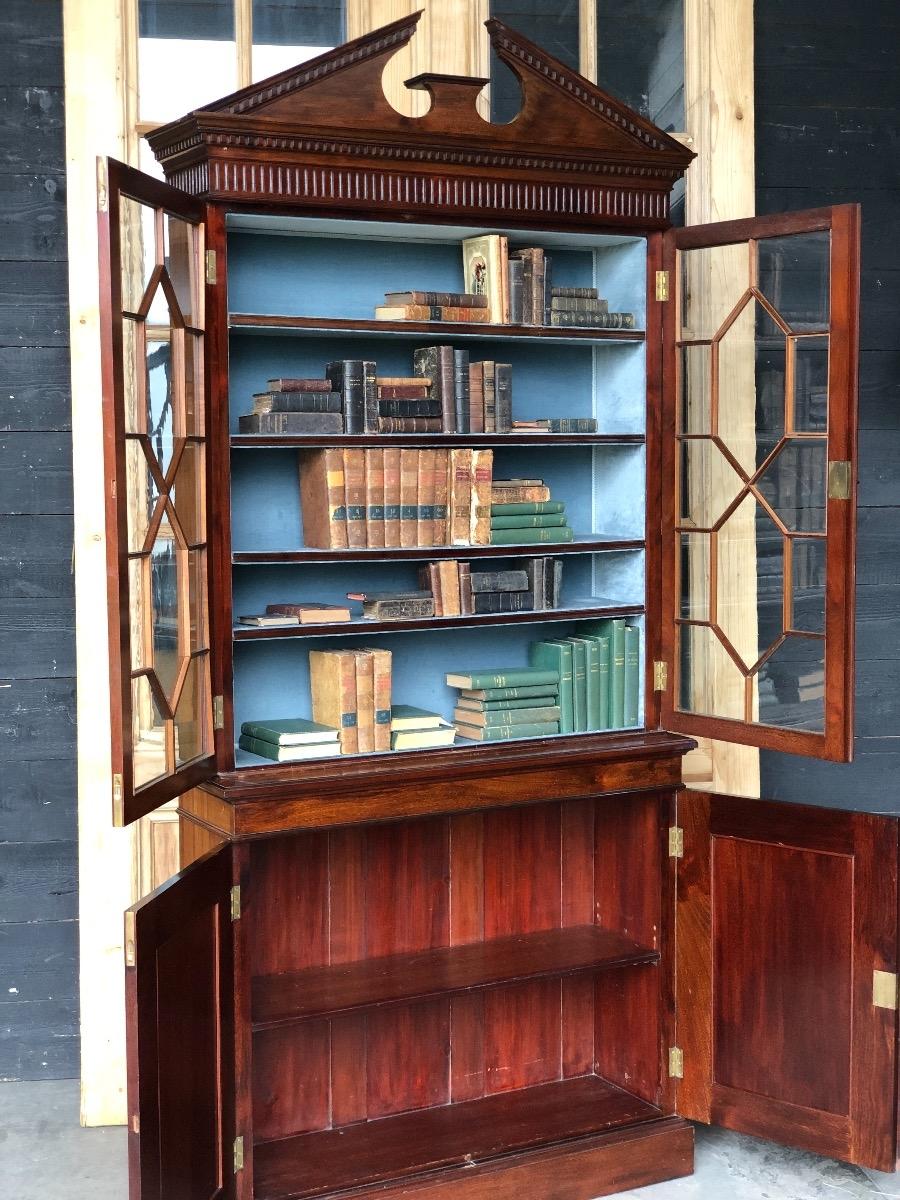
x: 365, y: 700
x: 347, y: 376
x: 291, y: 422
x: 305, y: 402
x: 441, y: 497
x: 355, y: 496
x: 436, y: 363
x: 290, y: 384
x: 404, y: 391
x: 430, y: 581
x: 466, y: 597
x: 425, y: 497
x: 409, y: 493
x: 442, y: 299
x: 323, y: 505
x: 482, y: 472
x: 503, y: 397
x: 490, y: 396
x: 375, y: 498
x: 461, y: 390
x: 332, y: 685
x: 410, y: 425
x: 448, y: 572
x: 391, y: 496
x: 476, y: 398
x: 461, y: 496
x: 422, y: 407
x: 381, y: 667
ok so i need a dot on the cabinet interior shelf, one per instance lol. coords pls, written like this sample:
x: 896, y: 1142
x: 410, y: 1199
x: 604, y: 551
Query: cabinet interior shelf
x: 281, y: 441
x: 347, y: 987
x: 312, y: 1164
x: 441, y: 330
x: 585, y: 544
x: 595, y: 609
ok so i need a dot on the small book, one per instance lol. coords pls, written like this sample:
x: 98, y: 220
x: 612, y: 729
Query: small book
x: 448, y: 582
x: 382, y: 672
x: 503, y: 493
x: 375, y: 533
x: 441, y: 497
x: 425, y: 473
x: 461, y: 390
x: 503, y: 397
x: 403, y: 381
x: 290, y: 384
x: 577, y: 303
x: 560, y: 425
x: 590, y: 320
x: 365, y: 699
x: 536, y: 571
x: 310, y: 613
x: 355, y: 496
x: 632, y: 676
x: 499, y: 581
x: 323, y: 502
x: 557, y: 656
x: 397, y: 610
x: 282, y: 754
x: 466, y: 596
x: 418, y: 594
x: 503, y: 733
x: 410, y: 425
x: 512, y: 537
x: 542, y: 700
x: 274, y: 423
x: 266, y: 622
x: 480, y: 533
x: 525, y: 508
x: 476, y: 398
x: 528, y: 521
x: 515, y: 275
x: 505, y: 695
x: 612, y: 628
x: 404, y: 391
x: 506, y: 716
x: 432, y: 312
x: 407, y: 716
x: 409, y: 502
x: 505, y: 677
x: 579, y: 293
x: 409, y: 408
x: 445, y: 299
x: 423, y: 739
x: 307, y: 402
x: 484, y: 272
x: 392, y: 497
x: 501, y: 602
x: 461, y: 487
x: 430, y: 579
x: 332, y: 685
x: 290, y: 731
x: 580, y: 667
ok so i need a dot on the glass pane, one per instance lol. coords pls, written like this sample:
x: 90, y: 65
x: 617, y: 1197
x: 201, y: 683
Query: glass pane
x: 199, y: 617
x: 696, y: 389
x: 181, y: 263
x: 750, y: 565
x: 695, y: 576
x: 192, y: 736
x: 193, y: 385
x: 553, y: 26
x: 148, y: 734
x: 792, y: 685
x: 188, y: 493
x: 811, y: 385
x: 287, y: 32
x: 187, y: 55
x: 166, y: 574
x: 160, y: 417
x: 138, y: 599
x: 640, y: 57
x: 794, y: 274
x: 131, y: 338
x: 808, y: 557
x: 137, y: 254
x: 712, y: 282
x: 794, y: 484
x: 709, y: 483
x: 142, y: 494
x: 710, y: 682
x: 751, y: 361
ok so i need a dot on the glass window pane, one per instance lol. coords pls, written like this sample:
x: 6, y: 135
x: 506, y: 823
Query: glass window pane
x: 712, y: 282
x: 710, y: 681
x: 808, y: 557
x: 695, y: 394
x: 794, y: 275
x: 148, y: 734
x: 181, y: 259
x: 791, y: 690
x: 160, y: 417
x: 287, y: 32
x: 708, y: 484
x: 794, y: 484
x: 694, y: 569
x: 142, y: 494
x: 188, y: 492
x: 750, y: 563
x: 640, y: 57
x: 193, y: 734
x: 811, y: 384
x: 551, y: 25
x: 187, y: 55
x: 138, y: 250
x: 751, y: 373
x: 167, y: 570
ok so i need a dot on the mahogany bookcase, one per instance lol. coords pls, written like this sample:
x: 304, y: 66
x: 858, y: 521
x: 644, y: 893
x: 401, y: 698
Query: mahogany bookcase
x: 488, y: 969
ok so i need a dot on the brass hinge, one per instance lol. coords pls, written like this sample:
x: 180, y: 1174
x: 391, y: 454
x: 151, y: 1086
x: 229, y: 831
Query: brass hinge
x: 236, y: 902
x: 840, y: 479
x: 130, y: 940
x: 884, y: 989
x: 118, y: 801
x: 662, y: 285
x: 211, y: 272
x: 238, y: 1154
x: 676, y: 842
x: 660, y: 676
x: 102, y: 186
x: 135, y: 1123
x: 218, y: 712
x: 676, y: 1062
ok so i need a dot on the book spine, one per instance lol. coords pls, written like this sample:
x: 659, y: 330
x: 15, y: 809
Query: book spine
x: 374, y: 466
x: 355, y: 496
x: 448, y: 396
x: 347, y: 377
x: 448, y: 575
x: 404, y: 391
x: 580, y: 320
x: 592, y: 681
x: 398, y: 610
x: 535, y: 570
x: 323, y: 505
x: 541, y: 700
x: 535, y: 521
x: 370, y: 398
x: 410, y: 425
x: 480, y: 519
x: 499, y: 581
x: 441, y: 497
x: 579, y: 684
x: 260, y: 747
x: 501, y: 602
x: 527, y: 508
x: 490, y: 396
x: 409, y: 408
x: 365, y: 700
x: 555, y: 595
x: 569, y: 425
x: 617, y: 674
x: 291, y: 422
x: 476, y: 398
x: 527, y: 288
x: 460, y: 496
x: 461, y: 390
x: 513, y: 537
x: 589, y: 304
x: 632, y: 685
x: 432, y: 312
x: 441, y: 299
x: 515, y: 290
x: 466, y: 597
x: 419, y: 382
x: 392, y: 497
x: 510, y: 695
x: 557, y: 656
x: 430, y: 581
x: 502, y: 733
x: 503, y: 272
x: 409, y: 496
x: 427, y: 365
x: 533, y: 494
x: 503, y: 392
x: 582, y: 293
x: 537, y: 287
x: 300, y: 402
x: 332, y: 682
x: 487, y: 718
x: 425, y: 497
x: 382, y: 664
x: 548, y: 289
x: 548, y: 675
x: 290, y: 384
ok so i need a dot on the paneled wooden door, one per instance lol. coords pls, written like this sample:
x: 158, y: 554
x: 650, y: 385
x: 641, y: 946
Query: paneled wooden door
x: 786, y: 946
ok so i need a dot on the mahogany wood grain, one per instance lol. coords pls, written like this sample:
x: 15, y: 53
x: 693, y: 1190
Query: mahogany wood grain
x: 522, y: 1035
x: 407, y: 1058
x: 441, y: 329
x: 244, y: 1092
x: 195, y: 840
x: 292, y: 1080
x: 583, y: 544
x: 318, y: 1163
x: 577, y: 907
x: 407, y: 900
x: 287, y: 904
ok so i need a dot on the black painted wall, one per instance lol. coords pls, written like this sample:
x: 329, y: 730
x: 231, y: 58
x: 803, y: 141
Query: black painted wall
x: 828, y: 131
x: 38, y: 931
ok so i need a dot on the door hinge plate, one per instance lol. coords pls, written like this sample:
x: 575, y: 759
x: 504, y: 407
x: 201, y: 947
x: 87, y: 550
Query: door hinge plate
x: 676, y: 842
x: 211, y: 268
x: 660, y: 676
x: 218, y: 712
x: 238, y: 1154
x: 662, y: 285
x: 130, y: 940
x: 884, y: 989
x: 236, y: 902
x: 840, y: 479
x: 676, y: 1062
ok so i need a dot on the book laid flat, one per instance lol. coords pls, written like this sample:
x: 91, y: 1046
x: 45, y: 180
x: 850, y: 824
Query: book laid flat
x: 311, y: 402
x: 268, y: 622
x: 410, y: 425
x: 421, y: 407
x: 451, y: 299
x: 511, y: 537
x: 542, y: 700
x: 407, y: 716
x: 592, y: 320
x: 503, y: 733
x: 289, y: 384
x: 499, y: 581
x: 559, y: 424
x: 504, y: 678
x: 411, y: 594
x: 332, y: 685
x: 289, y: 753
x: 504, y: 602
x: 432, y: 312
x: 423, y: 739
x: 506, y: 716
x: 323, y: 503
x: 505, y: 491
x: 290, y: 731
x: 485, y: 272
x: 524, y: 508
x: 403, y: 381
x: 525, y: 521
x: 309, y: 612
x: 515, y: 692
x: 565, y: 303
x: 397, y: 609
x: 274, y: 423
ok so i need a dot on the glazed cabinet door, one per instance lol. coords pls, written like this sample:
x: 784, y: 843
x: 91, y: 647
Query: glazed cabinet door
x: 155, y: 437
x: 786, y: 990
x: 181, y: 1036
x: 759, y: 449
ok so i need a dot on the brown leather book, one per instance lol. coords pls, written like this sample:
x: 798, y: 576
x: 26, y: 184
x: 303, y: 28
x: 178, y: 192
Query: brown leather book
x: 310, y: 614
x: 375, y: 532
x: 448, y: 574
x: 365, y: 700
x: 409, y: 485
x: 482, y: 472
x: 332, y: 685
x: 476, y: 397
x: 381, y: 663
x: 392, y: 496
x: 355, y: 496
x: 460, y: 496
x: 524, y: 494
x: 425, y: 497
x: 323, y: 503
x: 466, y: 596
x: 441, y: 496
x: 404, y: 391
x: 415, y: 381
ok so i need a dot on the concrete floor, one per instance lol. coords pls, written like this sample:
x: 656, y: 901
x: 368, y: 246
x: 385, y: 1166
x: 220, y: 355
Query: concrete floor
x: 44, y: 1153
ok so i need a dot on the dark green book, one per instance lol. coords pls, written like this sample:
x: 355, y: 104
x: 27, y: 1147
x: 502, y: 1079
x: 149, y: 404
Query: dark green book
x: 533, y: 521
x: 592, y: 680
x: 614, y: 629
x: 511, y: 693
x: 579, y: 684
x: 503, y: 677
x: 558, y: 656
x: 512, y: 537
x: 487, y: 719
x: 527, y: 508
x: 505, y: 733
x: 602, y: 644
x: 632, y: 688
x: 294, y: 731
x: 289, y: 753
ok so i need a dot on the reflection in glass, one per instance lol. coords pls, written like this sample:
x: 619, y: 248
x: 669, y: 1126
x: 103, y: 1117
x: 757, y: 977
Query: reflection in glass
x: 713, y: 280
x: 287, y: 32
x: 188, y: 491
x: 708, y: 483
x: 138, y: 250
x: 165, y: 579
x: 792, y: 685
x: 133, y: 412
x: 811, y: 385
x: 750, y: 565
x: 198, y: 638
x: 640, y: 57
x: 794, y: 484
x: 142, y: 494
x: 751, y: 361
x: 695, y: 576
x: 137, y: 606
x: 696, y: 390
x: 794, y: 275
x: 552, y: 25
x: 711, y: 683
x: 191, y: 738
x: 181, y: 264
x: 193, y: 384
x: 186, y: 55
x: 148, y: 734
x: 160, y: 416
x: 808, y: 557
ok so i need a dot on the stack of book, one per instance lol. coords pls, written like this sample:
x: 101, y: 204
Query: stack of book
x: 502, y: 704
x: 469, y: 397
x: 581, y: 307
x: 434, y: 306
x: 529, y: 286
x: 558, y: 425
x: 351, y: 692
x: 599, y: 675
x: 292, y: 740
x: 305, y: 613
x: 407, y: 404
x: 418, y: 729
x: 457, y: 590
x: 353, y: 498
x: 514, y: 522
x: 295, y: 406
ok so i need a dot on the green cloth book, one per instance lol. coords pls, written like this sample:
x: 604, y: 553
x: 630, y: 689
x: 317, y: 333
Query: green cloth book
x: 558, y: 656
x: 539, y: 701
x: 295, y: 731
x: 511, y: 693
x: 614, y: 629
x: 536, y: 521
x: 579, y: 684
x: 592, y: 680
x: 527, y: 508
x: 289, y: 753
x: 505, y: 733
x: 506, y: 716
x: 602, y: 681
x: 407, y: 716
x: 503, y: 677
x: 632, y: 688
x: 513, y: 537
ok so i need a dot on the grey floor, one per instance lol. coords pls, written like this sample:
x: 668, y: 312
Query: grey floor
x: 44, y: 1153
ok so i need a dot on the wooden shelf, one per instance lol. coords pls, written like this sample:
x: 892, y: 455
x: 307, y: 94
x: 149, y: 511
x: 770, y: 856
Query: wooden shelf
x: 309, y: 441
x: 327, y: 991
x: 583, y: 544
x: 313, y: 1164
x: 441, y: 330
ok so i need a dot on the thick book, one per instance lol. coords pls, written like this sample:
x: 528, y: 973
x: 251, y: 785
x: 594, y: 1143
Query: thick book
x: 555, y: 592
x: 476, y: 398
x: 503, y: 397
x: 543, y: 700
x: 409, y: 408
x: 292, y: 422
x: 276, y: 753
x: 375, y: 534
x: 503, y: 602
x: 460, y: 496
x: 425, y: 497
x: 536, y: 571
x: 291, y: 731
x: 513, y: 537
x: 290, y: 384
x: 448, y: 582
x: 537, y: 285
x: 580, y: 293
x: 301, y: 402
x: 432, y: 312
x: 489, y: 391
x: 529, y: 521
x: 499, y: 581
x: 579, y: 683
x: 480, y: 533
x: 382, y: 673
x: 436, y: 364
x: 484, y: 272
x: 441, y: 496
x: 504, y: 695
x: 407, y: 716
x: 592, y: 680
x: 526, y: 258
x: 559, y: 425
x: 580, y: 320
x: 309, y: 613
x: 591, y: 304
x: 558, y: 657
x: 614, y: 629
x: 408, y: 594
x: 403, y: 381
x: 410, y: 425
x: 503, y: 493
x: 503, y: 733
x: 392, y: 497
x: 365, y: 700
x: 323, y: 503
x: 506, y: 716
x: 526, y: 508
x: 397, y: 610
x: 332, y: 685
x: 355, y: 496
x: 515, y: 275
x: 354, y: 378
x: 409, y: 496
x: 461, y: 391
x: 444, y: 299
x: 263, y: 621
x: 430, y: 581
x: 423, y: 739
x: 404, y: 391
x: 466, y: 596
x: 603, y: 690
x: 504, y: 677
x: 632, y: 688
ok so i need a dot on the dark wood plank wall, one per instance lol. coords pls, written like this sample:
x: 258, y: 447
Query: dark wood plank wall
x: 828, y: 131
x: 38, y: 930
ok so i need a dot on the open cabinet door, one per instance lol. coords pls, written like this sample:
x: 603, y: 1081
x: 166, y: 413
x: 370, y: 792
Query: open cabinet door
x: 181, y: 1036
x: 786, y: 992
x: 759, y: 449
x: 155, y: 443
